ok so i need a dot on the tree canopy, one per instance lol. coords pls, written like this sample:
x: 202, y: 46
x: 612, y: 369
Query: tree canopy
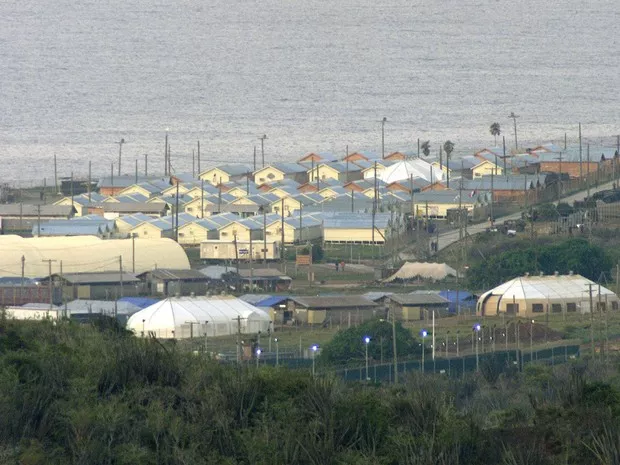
x: 348, y: 346
x: 426, y: 148
x: 495, y: 131
x: 576, y: 255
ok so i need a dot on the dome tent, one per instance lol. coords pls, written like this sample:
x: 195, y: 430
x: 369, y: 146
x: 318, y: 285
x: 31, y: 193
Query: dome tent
x: 532, y: 295
x: 416, y: 167
x: 83, y: 254
x: 184, y: 317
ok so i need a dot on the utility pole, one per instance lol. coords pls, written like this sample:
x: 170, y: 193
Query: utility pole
x: 588, y: 171
x: 146, y: 165
x: 133, y: 253
x: 120, y: 153
x: 254, y: 158
x: 580, y: 157
x: 21, y: 290
x: 504, y: 148
x: 251, y: 264
x: 282, y: 233
x: 49, y: 263
x: 591, y: 319
x: 383, y: 121
x: 176, y: 214
x: 202, y: 198
x: 55, y: 174
x: 166, y: 154
x: 265, y: 234
x: 374, y: 210
x: 136, y: 171
x: 394, y: 347
x: 514, y: 119
x: 120, y: 268
x: 89, y: 180
x: 198, y: 158
x: 262, y: 148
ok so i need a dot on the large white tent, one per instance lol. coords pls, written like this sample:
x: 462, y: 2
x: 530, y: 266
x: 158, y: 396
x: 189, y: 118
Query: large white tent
x: 86, y: 254
x: 416, y: 167
x: 184, y: 317
x: 532, y: 295
x: 433, y: 271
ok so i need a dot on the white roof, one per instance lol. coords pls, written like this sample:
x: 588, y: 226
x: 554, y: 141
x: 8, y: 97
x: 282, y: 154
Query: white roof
x: 83, y: 254
x: 221, y: 315
x: 410, y: 270
x: 416, y: 167
x: 565, y: 287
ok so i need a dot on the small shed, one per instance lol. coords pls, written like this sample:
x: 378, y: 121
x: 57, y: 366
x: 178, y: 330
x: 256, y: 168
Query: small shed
x: 169, y: 282
x: 100, y: 285
x: 409, y: 307
x: 278, y: 308
x: 339, y: 310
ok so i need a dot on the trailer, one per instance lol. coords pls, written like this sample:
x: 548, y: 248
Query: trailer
x: 231, y: 250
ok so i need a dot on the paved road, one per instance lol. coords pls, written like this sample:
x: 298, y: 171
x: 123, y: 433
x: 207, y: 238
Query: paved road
x: 451, y: 237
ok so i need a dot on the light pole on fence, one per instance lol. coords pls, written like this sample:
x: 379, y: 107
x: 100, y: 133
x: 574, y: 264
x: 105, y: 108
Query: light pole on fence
x: 366, y: 342
x: 458, y: 331
x: 531, y: 338
x: 314, y: 348
x: 258, y: 352
x: 277, y: 351
x: 476, y: 328
x: 423, y: 333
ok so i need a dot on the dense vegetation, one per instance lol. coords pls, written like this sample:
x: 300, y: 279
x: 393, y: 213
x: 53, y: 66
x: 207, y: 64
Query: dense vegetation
x: 347, y: 346
x: 96, y: 395
x: 575, y: 254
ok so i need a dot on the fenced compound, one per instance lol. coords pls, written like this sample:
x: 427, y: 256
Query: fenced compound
x: 455, y: 367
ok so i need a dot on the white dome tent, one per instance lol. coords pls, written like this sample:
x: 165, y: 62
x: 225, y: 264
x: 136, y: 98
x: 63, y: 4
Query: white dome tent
x: 416, y: 167
x: 184, y: 317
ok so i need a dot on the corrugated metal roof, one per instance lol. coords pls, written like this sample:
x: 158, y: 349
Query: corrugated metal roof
x: 175, y: 275
x: 356, y: 221
x: 333, y: 302
x: 419, y: 299
x: 97, y: 278
x: 16, y: 209
x: 136, y: 207
x: 271, y: 301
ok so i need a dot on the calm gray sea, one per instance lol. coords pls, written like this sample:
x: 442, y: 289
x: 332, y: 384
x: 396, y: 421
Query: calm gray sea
x: 314, y: 75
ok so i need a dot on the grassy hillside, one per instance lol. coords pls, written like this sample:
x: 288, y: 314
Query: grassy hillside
x: 96, y: 395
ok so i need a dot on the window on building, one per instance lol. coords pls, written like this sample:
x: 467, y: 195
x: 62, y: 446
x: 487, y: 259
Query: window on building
x: 601, y: 306
x: 190, y: 209
x: 571, y: 307
x: 556, y: 308
x: 538, y: 308
x: 512, y: 308
x: 145, y: 233
x: 223, y: 234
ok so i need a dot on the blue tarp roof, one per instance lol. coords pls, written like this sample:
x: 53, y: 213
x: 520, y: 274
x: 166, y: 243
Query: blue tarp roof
x: 451, y: 295
x: 141, y: 302
x: 271, y: 301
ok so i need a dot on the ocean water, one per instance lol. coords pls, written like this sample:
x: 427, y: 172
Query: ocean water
x: 313, y: 75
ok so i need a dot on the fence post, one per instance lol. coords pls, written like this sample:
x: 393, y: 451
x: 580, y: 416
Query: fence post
x: 565, y: 353
x: 390, y: 373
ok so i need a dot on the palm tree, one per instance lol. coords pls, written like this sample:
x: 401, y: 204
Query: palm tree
x: 495, y: 131
x: 448, y: 147
x: 426, y: 148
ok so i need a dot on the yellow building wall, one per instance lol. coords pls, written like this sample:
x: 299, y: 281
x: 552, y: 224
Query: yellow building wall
x: 237, y: 192
x: 135, y: 190
x: 242, y: 201
x: 440, y: 210
x: 214, y: 176
x: 327, y: 193
x: 193, y: 208
x: 172, y: 190
x: 147, y: 231
x: 280, y: 193
x: 195, y: 193
x: 316, y: 317
x: 268, y: 174
x: 290, y: 205
x: 228, y: 232
x: 369, y: 173
x: 192, y: 234
x: 80, y: 210
x: 486, y: 169
x: 324, y: 172
x: 352, y: 235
